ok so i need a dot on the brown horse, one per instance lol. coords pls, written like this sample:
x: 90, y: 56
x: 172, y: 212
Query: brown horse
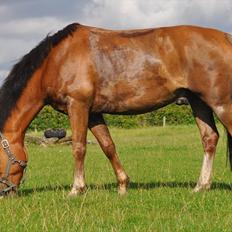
x: 85, y: 71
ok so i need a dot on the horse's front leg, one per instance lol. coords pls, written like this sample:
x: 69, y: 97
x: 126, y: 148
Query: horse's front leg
x: 78, y: 114
x: 100, y: 130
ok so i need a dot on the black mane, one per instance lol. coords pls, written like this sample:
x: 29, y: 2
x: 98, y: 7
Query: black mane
x: 21, y: 73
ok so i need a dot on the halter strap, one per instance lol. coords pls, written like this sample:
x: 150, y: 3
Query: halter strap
x: 11, y: 161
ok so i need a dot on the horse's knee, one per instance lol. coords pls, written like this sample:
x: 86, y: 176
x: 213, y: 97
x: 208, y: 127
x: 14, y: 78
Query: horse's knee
x: 210, y: 142
x: 79, y: 150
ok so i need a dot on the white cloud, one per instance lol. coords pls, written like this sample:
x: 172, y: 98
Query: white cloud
x: 3, y: 11
x: 3, y: 75
x: 138, y: 13
x: 32, y: 27
x: 19, y: 37
x: 13, y: 48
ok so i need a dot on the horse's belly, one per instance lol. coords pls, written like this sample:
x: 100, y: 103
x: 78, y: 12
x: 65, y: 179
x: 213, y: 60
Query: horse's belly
x: 132, y: 98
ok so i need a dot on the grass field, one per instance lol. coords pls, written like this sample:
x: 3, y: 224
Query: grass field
x: 163, y: 164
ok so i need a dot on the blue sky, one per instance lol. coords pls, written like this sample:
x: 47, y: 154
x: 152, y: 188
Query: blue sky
x: 23, y: 23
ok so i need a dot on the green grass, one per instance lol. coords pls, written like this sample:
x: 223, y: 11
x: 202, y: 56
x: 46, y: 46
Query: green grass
x: 163, y: 164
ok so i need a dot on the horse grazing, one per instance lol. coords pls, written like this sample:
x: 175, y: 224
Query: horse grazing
x: 84, y: 72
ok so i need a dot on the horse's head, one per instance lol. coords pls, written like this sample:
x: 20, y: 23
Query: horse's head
x: 12, y: 166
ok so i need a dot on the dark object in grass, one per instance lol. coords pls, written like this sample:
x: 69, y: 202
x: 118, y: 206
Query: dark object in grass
x: 55, y: 133
x: 182, y: 101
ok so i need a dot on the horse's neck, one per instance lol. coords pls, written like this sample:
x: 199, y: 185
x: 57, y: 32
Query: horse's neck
x: 25, y: 109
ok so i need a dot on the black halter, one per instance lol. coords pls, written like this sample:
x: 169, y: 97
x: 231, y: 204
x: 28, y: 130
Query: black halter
x: 11, y: 161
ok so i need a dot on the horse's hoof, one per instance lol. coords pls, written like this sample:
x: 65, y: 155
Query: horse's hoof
x: 122, y: 188
x: 122, y: 191
x: 196, y: 189
x: 200, y: 188
x: 72, y: 195
x: 76, y: 191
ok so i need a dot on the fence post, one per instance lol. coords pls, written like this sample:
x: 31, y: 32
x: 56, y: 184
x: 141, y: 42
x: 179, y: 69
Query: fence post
x: 164, y: 121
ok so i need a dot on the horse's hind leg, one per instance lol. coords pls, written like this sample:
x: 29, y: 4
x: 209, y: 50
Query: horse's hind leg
x: 99, y: 129
x: 224, y: 113
x: 209, y: 137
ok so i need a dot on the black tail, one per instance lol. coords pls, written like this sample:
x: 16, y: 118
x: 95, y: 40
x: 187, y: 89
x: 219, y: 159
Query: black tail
x: 229, y: 149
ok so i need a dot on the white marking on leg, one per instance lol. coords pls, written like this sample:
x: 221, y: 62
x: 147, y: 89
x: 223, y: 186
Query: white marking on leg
x: 207, y: 166
x: 78, y: 185
x: 122, y: 176
x: 79, y: 181
x: 123, y: 182
x: 206, y: 173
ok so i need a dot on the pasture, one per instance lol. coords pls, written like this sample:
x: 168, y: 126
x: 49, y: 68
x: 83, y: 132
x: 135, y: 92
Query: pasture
x: 163, y: 165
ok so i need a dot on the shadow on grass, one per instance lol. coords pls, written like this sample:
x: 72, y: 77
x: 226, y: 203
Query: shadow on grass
x: 133, y: 185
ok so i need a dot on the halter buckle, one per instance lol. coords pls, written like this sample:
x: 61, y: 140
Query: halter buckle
x: 5, y: 144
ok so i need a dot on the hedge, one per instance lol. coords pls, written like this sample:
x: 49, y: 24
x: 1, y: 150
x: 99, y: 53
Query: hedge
x: 175, y: 115
x: 49, y: 118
